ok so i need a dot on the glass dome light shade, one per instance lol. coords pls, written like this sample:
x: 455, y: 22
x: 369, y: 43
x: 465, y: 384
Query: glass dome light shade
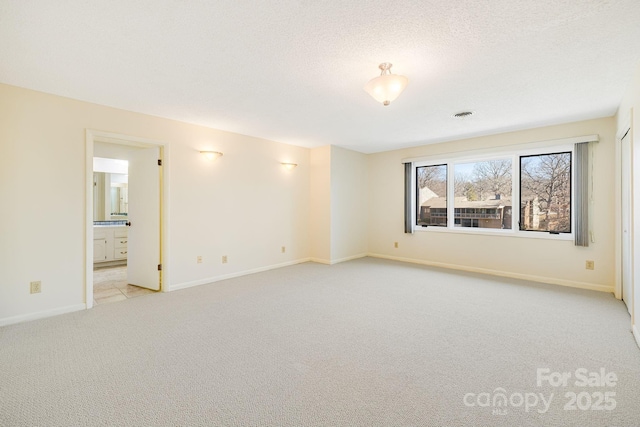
x: 386, y: 87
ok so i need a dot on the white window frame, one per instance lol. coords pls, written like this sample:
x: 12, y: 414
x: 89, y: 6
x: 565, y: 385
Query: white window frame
x: 514, y: 155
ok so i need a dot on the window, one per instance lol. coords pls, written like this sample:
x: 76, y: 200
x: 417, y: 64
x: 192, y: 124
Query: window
x: 523, y: 193
x: 483, y: 194
x: 431, y: 185
x: 545, y: 192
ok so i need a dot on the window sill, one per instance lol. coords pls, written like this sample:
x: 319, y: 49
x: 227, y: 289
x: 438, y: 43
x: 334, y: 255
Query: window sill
x: 497, y: 232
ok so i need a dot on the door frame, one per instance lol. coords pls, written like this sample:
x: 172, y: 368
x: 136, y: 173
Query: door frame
x: 621, y: 132
x: 92, y: 136
x: 627, y: 251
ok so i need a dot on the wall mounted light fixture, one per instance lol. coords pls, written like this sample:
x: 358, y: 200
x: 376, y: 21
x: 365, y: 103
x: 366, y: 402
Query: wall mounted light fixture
x: 211, y: 155
x: 386, y: 87
x: 289, y: 166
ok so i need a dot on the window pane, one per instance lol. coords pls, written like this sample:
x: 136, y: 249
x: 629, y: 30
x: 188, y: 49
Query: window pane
x: 545, y: 192
x: 483, y: 194
x: 432, y: 195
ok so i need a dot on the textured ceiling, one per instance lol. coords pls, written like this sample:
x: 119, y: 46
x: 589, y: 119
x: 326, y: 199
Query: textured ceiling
x: 293, y: 71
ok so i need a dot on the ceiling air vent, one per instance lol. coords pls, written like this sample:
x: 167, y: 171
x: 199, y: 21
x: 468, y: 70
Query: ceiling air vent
x: 463, y: 114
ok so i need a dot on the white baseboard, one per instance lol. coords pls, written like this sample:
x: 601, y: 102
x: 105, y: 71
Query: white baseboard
x: 349, y: 258
x: 539, y: 279
x: 41, y: 314
x: 581, y: 285
x: 336, y: 261
x: 636, y: 334
x: 199, y: 282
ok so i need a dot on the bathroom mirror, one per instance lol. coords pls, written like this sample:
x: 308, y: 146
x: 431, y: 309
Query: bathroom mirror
x: 110, y: 196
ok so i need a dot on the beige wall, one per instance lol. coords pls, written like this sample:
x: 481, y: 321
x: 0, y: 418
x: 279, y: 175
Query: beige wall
x: 349, y: 208
x: 538, y: 259
x: 338, y: 209
x: 337, y: 204
x: 245, y: 205
x: 320, y: 204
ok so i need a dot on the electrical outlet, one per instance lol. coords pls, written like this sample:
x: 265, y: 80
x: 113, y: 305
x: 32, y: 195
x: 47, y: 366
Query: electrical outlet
x: 590, y: 265
x: 35, y: 287
x: 199, y: 259
x: 224, y: 259
x: 395, y: 245
x: 283, y: 250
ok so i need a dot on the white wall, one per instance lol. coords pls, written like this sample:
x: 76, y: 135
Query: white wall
x: 630, y: 101
x: 245, y: 205
x: 628, y: 116
x: 104, y: 164
x: 537, y: 259
x: 349, y: 207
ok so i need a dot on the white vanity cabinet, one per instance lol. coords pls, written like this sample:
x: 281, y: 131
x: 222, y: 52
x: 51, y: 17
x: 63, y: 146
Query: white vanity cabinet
x: 120, y: 244
x: 99, y: 249
x: 109, y: 244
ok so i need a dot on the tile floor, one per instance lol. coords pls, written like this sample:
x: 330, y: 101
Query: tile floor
x: 110, y: 285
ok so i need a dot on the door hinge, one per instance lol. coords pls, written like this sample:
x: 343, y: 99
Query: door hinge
x: 159, y: 267
x: 159, y: 162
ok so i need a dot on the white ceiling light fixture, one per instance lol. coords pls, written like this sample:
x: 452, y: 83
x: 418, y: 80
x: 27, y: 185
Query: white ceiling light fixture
x: 386, y: 87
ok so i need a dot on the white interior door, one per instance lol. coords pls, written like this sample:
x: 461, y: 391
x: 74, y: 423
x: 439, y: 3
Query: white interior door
x: 144, y: 215
x: 627, y: 263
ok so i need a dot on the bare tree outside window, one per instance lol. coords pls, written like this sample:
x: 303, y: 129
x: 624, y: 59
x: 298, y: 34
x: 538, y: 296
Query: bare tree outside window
x: 433, y: 177
x: 463, y: 185
x: 545, y: 192
x: 493, y: 177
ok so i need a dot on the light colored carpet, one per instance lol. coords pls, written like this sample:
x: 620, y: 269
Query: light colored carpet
x: 363, y: 343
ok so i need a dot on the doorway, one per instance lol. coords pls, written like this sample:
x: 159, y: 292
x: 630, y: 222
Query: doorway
x: 136, y: 233
x: 110, y: 234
